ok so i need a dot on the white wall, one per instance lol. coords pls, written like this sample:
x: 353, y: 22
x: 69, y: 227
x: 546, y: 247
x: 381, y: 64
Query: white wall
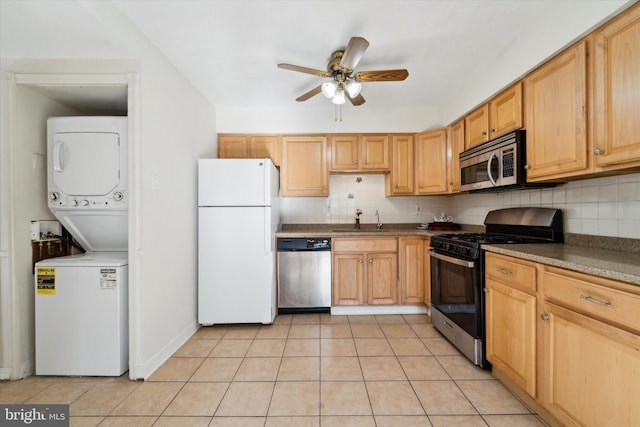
x: 25, y: 167
x: 607, y: 206
x: 176, y: 127
x: 171, y: 126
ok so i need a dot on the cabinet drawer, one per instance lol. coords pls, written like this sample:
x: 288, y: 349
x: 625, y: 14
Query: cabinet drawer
x: 590, y: 295
x: 389, y: 244
x: 514, y: 273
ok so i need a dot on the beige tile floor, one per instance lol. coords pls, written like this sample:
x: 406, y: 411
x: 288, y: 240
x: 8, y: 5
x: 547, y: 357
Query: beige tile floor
x: 304, y: 370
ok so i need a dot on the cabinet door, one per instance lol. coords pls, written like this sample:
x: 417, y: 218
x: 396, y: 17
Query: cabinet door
x: 304, y: 170
x: 265, y: 147
x: 348, y: 279
x: 400, y: 180
x: 382, y: 272
x: 555, y: 99
x: 344, y: 152
x: 233, y: 147
x: 616, y: 102
x: 455, y: 145
x: 511, y: 333
x: 374, y: 152
x: 427, y: 273
x: 431, y: 162
x: 592, y: 370
x: 411, y: 263
x: 476, y: 126
x: 505, y: 112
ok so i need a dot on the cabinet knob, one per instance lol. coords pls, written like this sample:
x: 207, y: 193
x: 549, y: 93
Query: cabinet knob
x: 484, y: 133
x: 370, y: 260
x: 544, y: 316
x: 527, y: 167
x: 486, y: 290
x: 360, y: 260
x: 598, y: 151
x: 355, y: 162
x: 493, y: 130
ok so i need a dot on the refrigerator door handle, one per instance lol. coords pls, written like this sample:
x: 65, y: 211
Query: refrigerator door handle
x: 267, y: 231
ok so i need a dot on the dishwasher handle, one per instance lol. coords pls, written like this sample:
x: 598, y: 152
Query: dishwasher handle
x: 315, y: 244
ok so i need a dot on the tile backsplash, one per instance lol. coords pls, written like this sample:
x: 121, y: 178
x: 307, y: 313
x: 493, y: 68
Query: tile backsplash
x: 608, y: 206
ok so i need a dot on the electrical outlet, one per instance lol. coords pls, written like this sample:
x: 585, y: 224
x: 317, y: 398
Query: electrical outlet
x: 418, y: 208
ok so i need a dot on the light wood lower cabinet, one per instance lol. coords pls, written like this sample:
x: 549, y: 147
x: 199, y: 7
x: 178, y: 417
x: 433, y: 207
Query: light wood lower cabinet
x: 411, y: 255
x: 365, y: 271
x: 511, y: 318
x: 427, y: 272
x: 569, y: 340
x: 591, y: 349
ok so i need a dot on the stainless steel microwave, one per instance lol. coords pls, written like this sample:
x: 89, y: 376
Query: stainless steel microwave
x: 496, y: 165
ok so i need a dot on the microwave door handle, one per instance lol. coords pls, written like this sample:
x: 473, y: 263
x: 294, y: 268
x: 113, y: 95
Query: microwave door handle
x: 493, y: 155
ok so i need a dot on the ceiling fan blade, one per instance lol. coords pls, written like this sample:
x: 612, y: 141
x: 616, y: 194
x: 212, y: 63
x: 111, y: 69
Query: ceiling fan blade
x: 312, y: 92
x: 381, y: 75
x: 304, y: 70
x: 356, y: 100
x: 353, y: 52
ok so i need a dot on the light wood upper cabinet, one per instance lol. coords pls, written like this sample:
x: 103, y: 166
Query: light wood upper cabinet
x: 304, y: 170
x: 249, y: 147
x: 400, y: 182
x: 431, y: 162
x: 455, y: 146
x: 365, y: 271
x: 500, y: 115
x: 505, y: 111
x: 375, y: 153
x: 476, y: 126
x: 555, y: 101
x: 233, y: 146
x: 616, y: 99
x: 359, y: 153
x: 511, y: 318
x: 411, y: 264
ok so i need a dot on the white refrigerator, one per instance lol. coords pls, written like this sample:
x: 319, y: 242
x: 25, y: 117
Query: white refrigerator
x: 237, y: 219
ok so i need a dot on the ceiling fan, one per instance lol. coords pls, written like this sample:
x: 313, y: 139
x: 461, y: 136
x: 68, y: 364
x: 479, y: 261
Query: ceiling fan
x: 344, y: 83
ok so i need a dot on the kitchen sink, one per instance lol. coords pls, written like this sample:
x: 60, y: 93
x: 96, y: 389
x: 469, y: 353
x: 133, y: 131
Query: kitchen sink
x: 359, y: 230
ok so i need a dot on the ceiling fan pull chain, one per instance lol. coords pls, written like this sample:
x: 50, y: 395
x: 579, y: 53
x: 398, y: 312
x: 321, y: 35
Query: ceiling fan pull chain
x: 337, y: 114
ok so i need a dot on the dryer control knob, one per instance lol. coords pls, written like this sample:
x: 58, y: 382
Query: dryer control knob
x: 85, y: 203
x: 117, y: 196
x: 54, y: 196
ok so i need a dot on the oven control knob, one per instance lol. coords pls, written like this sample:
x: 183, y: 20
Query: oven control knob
x: 117, y: 196
x: 53, y: 196
x: 85, y: 203
x: 74, y: 202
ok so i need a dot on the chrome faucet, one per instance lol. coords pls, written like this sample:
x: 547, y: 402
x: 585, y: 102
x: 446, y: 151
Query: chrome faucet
x: 379, y: 225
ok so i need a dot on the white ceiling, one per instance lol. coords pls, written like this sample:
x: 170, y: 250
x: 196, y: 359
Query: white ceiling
x: 229, y: 48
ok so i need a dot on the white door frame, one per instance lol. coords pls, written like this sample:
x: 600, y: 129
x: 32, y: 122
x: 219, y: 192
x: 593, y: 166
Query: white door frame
x: 10, y: 329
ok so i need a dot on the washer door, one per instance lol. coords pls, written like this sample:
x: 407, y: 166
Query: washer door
x: 85, y: 163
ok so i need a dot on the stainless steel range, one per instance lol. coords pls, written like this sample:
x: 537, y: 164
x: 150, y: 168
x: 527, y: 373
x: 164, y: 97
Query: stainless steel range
x: 457, y: 272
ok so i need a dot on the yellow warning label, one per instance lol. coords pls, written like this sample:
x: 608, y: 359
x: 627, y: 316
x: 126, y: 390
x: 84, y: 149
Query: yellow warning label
x: 46, y: 283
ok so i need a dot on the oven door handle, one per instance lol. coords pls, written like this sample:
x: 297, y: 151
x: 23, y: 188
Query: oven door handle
x: 452, y: 260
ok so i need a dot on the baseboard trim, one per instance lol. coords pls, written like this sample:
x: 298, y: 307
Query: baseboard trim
x: 382, y: 309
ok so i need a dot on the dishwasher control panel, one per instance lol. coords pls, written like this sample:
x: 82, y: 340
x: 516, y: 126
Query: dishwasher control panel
x: 298, y: 244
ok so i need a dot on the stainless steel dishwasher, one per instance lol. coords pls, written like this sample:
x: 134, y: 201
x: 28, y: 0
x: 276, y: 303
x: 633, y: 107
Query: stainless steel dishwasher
x: 304, y: 275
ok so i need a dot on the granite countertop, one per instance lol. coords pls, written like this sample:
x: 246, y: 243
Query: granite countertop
x: 611, y: 264
x: 368, y: 230
x: 611, y: 258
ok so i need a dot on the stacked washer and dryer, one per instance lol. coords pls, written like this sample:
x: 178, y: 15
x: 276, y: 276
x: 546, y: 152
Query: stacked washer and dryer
x: 81, y: 301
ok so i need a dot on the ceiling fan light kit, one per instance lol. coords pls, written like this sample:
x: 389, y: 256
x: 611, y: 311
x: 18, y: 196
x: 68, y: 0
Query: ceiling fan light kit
x: 344, y: 84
